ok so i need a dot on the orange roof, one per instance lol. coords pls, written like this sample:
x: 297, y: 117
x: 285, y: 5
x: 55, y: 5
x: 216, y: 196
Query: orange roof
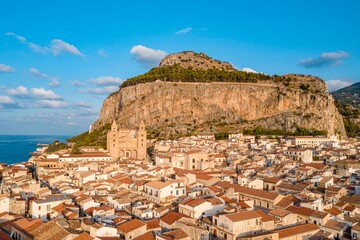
x: 242, y: 205
x: 193, y: 202
x: 242, y: 216
x: 146, y: 236
x: 279, y: 212
x: 172, y: 217
x: 26, y: 224
x: 84, y: 236
x: 333, y: 211
x: 214, y: 201
x: 4, y: 236
x: 203, y: 176
x: 152, y: 224
x: 176, y: 234
x: 291, y: 231
x: 271, y: 180
x: 255, y: 192
x: 59, y: 208
x: 300, y: 210
x: 159, y: 184
x: 130, y: 226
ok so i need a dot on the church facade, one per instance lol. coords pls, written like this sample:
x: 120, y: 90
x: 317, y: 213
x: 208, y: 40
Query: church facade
x: 126, y: 143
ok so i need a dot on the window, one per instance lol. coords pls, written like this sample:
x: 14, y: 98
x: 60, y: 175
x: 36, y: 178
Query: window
x: 193, y: 160
x: 48, y: 207
x: 39, y: 208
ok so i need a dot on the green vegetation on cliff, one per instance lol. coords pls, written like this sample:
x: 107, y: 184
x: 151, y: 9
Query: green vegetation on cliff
x: 351, y: 116
x: 95, y: 138
x: 176, y: 73
x: 258, y: 131
x: 56, y: 146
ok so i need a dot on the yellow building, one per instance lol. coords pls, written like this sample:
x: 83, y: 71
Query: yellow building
x: 126, y: 143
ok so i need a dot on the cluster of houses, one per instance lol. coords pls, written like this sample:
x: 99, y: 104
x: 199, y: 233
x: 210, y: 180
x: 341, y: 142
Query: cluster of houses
x: 192, y: 188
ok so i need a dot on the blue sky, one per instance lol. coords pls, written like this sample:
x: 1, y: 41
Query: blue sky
x: 60, y: 59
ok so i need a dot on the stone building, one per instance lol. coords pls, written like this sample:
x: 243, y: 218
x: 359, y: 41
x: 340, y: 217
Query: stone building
x: 127, y: 142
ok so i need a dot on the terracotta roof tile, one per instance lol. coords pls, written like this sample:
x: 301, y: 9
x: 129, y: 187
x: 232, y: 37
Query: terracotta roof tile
x: 84, y: 236
x: 172, y: 217
x: 146, y: 236
x: 292, y: 231
x: 130, y: 226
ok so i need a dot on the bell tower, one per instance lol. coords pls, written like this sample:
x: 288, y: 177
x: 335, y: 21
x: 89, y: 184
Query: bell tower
x: 141, y: 137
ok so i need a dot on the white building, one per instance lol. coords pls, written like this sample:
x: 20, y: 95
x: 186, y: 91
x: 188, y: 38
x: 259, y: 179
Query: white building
x: 86, y: 157
x: 300, y: 154
x: 159, y: 191
x: 313, y: 141
x: 42, y: 208
x: 194, y: 208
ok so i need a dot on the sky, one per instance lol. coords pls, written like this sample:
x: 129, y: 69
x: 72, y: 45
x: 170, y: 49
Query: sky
x: 60, y: 59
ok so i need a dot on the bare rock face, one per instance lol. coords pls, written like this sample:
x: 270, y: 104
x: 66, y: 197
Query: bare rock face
x: 173, y: 109
x: 182, y: 108
x: 195, y: 61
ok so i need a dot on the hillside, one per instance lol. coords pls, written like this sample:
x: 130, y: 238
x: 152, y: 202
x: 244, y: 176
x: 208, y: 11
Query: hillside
x: 348, y: 104
x: 349, y: 95
x: 177, y: 100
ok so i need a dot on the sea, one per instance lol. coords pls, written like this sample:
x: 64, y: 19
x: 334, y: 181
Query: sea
x: 17, y: 148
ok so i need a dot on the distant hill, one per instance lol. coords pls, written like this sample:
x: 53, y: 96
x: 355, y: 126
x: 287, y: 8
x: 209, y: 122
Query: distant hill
x: 347, y: 101
x: 349, y: 95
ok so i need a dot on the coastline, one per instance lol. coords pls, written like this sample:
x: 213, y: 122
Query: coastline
x: 17, y: 148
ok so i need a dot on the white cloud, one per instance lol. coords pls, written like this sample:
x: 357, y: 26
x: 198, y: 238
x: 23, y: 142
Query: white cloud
x: 52, y: 104
x: 82, y: 104
x: 148, y: 57
x: 184, y: 31
x: 33, y: 46
x: 6, y: 100
x: 38, y: 93
x: 333, y: 85
x: 102, y: 53
x: 326, y: 59
x: 249, y: 70
x: 20, y: 91
x: 58, y: 46
x: 36, y: 73
x: 54, y: 82
x: 107, y: 81
x: 43, y: 93
x: 6, y: 68
x: 77, y: 83
x: 100, y: 91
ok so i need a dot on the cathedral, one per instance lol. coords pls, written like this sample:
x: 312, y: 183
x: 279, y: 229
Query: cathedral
x: 125, y: 143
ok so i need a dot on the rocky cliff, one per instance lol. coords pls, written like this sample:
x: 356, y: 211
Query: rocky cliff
x: 182, y: 108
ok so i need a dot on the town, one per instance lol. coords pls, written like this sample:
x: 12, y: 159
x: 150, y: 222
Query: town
x: 192, y: 188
